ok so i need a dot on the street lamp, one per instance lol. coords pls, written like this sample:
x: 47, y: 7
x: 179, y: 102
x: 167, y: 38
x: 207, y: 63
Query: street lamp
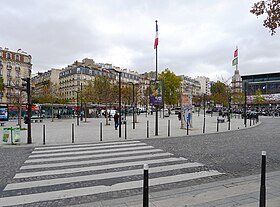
x: 133, y: 105
x: 81, y: 101
x: 120, y: 119
x: 203, y: 113
x: 245, y: 104
x: 229, y: 106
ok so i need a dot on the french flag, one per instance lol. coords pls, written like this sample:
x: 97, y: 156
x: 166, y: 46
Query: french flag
x: 156, y: 39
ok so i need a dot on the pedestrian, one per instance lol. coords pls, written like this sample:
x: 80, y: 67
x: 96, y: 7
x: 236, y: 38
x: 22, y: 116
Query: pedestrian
x: 116, y: 120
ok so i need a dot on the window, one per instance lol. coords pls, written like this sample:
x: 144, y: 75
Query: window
x: 17, y: 57
x: 8, y: 55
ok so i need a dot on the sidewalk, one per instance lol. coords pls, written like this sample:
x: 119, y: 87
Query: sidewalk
x: 60, y: 131
x: 242, y: 192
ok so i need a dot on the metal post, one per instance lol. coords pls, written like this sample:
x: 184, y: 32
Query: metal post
x: 217, y: 124
x: 250, y: 121
x: 156, y: 126
x: 245, y: 104
x: 44, y: 134
x: 72, y: 133
x: 203, y: 113
x: 12, y: 141
x: 133, y: 112
x: 168, y: 130
x: 146, y: 186
x: 187, y: 127
x: 125, y: 130
x: 81, y: 101
x: 120, y: 110
x: 101, y: 131
x: 147, y: 128
x: 262, y: 189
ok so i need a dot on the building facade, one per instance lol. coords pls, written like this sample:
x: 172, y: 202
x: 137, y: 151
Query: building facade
x: 190, y: 86
x: 42, y: 82
x: 13, y: 67
x: 267, y: 84
x: 204, y: 85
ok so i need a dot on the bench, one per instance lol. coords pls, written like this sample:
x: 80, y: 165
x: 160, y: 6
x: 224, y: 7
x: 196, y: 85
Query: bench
x: 220, y: 120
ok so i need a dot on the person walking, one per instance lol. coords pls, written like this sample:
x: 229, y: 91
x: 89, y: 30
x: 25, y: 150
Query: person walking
x: 116, y: 120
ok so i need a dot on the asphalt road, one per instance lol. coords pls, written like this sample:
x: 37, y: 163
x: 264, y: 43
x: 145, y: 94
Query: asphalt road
x: 237, y: 153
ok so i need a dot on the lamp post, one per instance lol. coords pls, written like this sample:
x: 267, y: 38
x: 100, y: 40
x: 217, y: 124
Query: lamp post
x: 77, y: 111
x: 133, y: 105
x: 81, y: 101
x: 120, y: 99
x: 245, y: 104
x: 204, y: 113
x: 229, y: 106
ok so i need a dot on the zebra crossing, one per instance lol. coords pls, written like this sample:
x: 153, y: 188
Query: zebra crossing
x: 53, y: 173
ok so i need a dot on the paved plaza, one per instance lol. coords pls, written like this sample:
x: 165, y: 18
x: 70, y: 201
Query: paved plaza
x: 200, y: 169
x: 60, y: 131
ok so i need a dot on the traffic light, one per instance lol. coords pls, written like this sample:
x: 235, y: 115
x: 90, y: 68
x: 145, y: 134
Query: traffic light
x: 26, y: 85
x: 27, y: 119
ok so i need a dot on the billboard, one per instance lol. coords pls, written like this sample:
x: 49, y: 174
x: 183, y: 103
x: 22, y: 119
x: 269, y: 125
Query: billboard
x: 4, y: 113
x: 156, y: 93
x: 187, y: 109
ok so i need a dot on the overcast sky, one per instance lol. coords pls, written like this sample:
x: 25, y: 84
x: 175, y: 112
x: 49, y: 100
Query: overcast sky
x: 196, y: 38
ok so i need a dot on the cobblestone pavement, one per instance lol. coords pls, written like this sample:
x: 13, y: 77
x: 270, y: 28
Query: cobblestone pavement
x: 75, y: 174
x: 237, y: 153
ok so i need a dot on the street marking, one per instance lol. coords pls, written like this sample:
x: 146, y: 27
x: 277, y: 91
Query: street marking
x: 91, y: 156
x: 88, y: 148
x: 101, y: 176
x: 93, y: 168
x: 81, y: 145
x: 76, y: 192
x: 63, y: 164
x: 97, y: 151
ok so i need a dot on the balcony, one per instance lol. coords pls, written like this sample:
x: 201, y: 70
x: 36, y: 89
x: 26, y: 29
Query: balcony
x: 17, y: 68
x: 9, y: 67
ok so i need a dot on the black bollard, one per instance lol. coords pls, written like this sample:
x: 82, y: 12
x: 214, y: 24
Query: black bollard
x: 44, y: 134
x: 147, y: 128
x: 250, y: 121
x: 146, y: 186
x: 72, y: 133
x: 262, y: 189
x: 168, y: 129
x: 187, y: 127
x: 101, y: 135
x: 125, y: 130
x: 217, y: 124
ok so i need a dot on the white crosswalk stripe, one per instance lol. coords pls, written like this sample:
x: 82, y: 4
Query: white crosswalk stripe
x: 61, y: 172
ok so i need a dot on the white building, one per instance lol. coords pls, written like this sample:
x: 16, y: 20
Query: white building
x: 204, y: 85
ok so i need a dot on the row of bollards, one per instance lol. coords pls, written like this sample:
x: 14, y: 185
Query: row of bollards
x: 101, y: 131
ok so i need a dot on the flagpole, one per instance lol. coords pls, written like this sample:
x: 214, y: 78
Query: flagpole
x: 156, y: 130
x: 237, y: 57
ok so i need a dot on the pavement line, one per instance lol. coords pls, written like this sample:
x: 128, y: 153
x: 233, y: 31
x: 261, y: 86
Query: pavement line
x: 90, y: 152
x: 91, y: 156
x: 93, y: 168
x: 59, y: 181
x: 70, y: 193
x: 81, y: 145
x: 62, y: 164
x: 88, y: 148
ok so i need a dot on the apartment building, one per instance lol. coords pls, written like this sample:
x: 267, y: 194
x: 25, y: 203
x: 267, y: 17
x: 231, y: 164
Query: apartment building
x: 190, y: 86
x: 45, y: 80
x: 204, y: 85
x: 13, y: 67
